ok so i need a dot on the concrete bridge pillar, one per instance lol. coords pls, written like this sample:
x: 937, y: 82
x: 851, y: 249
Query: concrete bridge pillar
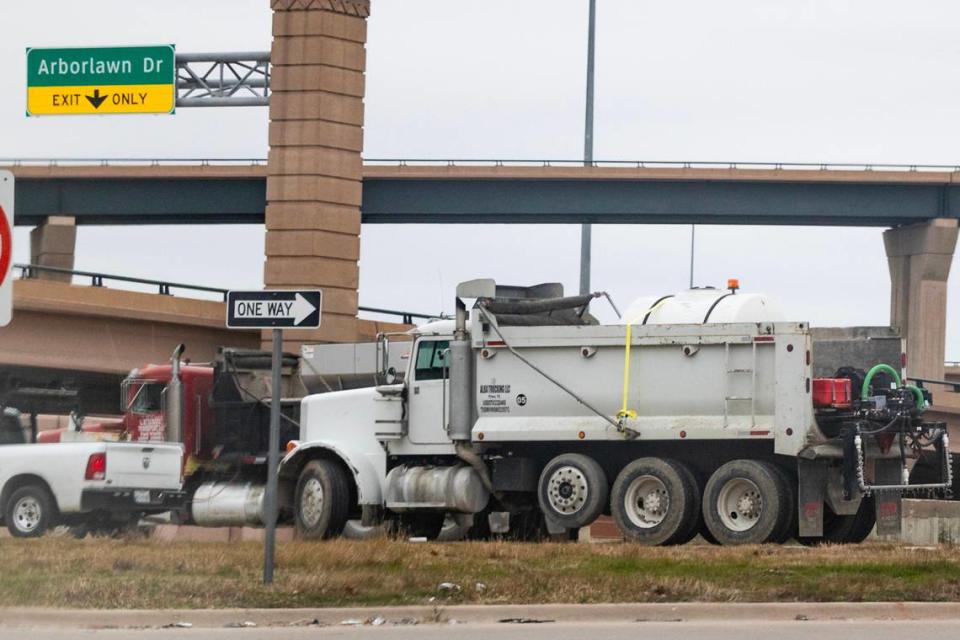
x: 315, y: 168
x: 919, y: 256
x: 53, y: 244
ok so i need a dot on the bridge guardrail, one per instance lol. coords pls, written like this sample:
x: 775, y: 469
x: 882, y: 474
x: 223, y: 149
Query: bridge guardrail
x: 164, y: 287
x: 493, y: 162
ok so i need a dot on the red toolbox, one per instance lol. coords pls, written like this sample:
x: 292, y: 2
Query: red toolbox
x: 832, y: 392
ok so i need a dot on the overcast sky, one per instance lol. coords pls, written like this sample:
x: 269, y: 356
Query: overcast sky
x: 867, y: 81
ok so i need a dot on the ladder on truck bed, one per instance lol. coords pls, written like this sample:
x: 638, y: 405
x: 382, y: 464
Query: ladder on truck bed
x: 732, y: 375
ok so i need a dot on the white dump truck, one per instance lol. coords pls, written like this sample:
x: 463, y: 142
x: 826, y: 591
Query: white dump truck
x: 702, y: 412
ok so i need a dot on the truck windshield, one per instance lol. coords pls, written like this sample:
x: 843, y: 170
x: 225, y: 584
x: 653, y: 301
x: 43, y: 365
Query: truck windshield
x: 147, y: 397
x: 431, y: 358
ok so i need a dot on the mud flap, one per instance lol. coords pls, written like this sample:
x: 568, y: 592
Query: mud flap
x: 889, y: 504
x: 813, y: 478
x: 554, y: 528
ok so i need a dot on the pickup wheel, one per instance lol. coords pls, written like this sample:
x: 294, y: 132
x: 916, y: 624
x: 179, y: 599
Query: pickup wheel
x: 745, y: 502
x: 322, y: 500
x: 656, y: 502
x: 573, y: 490
x: 29, y: 512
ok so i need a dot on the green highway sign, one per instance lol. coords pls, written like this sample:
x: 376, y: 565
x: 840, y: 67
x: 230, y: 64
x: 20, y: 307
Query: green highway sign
x: 101, y: 80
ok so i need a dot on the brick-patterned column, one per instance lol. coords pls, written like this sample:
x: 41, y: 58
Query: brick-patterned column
x: 315, y: 168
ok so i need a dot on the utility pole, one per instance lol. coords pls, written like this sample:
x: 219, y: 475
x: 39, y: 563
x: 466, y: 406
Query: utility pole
x: 585, y: 229
x: 693, y: 236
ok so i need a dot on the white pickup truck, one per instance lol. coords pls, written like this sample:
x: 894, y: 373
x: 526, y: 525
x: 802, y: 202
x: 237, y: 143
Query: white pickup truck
x: 82, y: 483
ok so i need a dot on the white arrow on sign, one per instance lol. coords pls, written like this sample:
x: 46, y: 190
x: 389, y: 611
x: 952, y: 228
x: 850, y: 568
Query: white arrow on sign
x: 298, y: 309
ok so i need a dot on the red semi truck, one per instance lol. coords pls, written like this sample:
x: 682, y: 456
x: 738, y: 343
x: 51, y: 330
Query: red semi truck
x: 220, y: 413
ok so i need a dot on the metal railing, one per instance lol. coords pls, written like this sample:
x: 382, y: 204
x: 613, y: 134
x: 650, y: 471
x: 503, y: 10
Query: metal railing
x: 132, y: 162
x: 663, y: 164
x: 484, y: 162
x: 164, y: 287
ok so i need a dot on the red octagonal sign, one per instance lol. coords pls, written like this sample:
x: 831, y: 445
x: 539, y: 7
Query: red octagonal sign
x: 6, y: 247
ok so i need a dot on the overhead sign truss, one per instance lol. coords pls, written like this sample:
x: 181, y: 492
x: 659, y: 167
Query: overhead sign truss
x: 154, y: 79
x: 223, y: 79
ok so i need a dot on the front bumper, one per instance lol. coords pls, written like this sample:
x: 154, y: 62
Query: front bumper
x: 132, y: 500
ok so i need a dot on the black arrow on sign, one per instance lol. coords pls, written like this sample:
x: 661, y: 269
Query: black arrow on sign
x: 96, y: 99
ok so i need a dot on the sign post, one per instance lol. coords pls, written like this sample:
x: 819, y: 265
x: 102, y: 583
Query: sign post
x: 275, y: 310
x: 98, y: 80
x: 6, y: 247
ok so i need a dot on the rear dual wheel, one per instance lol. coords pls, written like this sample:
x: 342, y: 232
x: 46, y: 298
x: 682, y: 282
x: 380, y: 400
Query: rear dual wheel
x: 749, y: 502
x: 846, y: 529
x: 656, y: 501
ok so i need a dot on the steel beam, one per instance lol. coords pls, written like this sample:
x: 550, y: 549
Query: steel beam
x: 164, y: 192
x: 236, y: 79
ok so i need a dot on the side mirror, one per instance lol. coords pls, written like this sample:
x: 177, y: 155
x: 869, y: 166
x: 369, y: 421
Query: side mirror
x: 390, y: 376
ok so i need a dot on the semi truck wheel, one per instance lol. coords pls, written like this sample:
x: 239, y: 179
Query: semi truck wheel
x: 322, y: 500
x: 790, y: 523
x: 927, y: 471
x: 29, y: 512
x: 655, y: 502
x: 745, y: 502
x: 573, y: 490
x: 849, y: 529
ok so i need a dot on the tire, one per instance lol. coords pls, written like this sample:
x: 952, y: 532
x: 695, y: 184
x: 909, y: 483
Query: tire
x: 744, y: 502
x: 427, y: 524
x: 355, y: 530
x: 790, y: 520
x: 848, y: 529
x: 656, y: 502
x: 322, y: 500
x: 455, y: 528
x: 927, y: 471
x: 30, y: 512
x: 573, y: 490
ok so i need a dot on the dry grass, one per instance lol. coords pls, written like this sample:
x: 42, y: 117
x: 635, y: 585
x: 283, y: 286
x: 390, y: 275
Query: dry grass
x: 63, y: 572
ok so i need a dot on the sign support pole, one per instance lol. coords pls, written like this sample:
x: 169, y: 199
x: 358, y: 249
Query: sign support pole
x: 586, y: 231
x: 270, y: 499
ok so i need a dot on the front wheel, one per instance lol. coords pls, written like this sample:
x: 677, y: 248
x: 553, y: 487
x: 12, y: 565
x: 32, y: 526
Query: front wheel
x: 573, y: 490
x: 322, y: 501
x: 29, y: 512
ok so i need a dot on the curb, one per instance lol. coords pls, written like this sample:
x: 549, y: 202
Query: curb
x: 478, y: 614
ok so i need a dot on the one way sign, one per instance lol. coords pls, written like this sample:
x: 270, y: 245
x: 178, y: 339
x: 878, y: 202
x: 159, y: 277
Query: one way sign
x: 277, y: 309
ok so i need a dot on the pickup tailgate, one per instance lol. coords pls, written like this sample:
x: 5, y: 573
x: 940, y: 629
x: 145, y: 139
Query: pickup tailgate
x: 144, y: 466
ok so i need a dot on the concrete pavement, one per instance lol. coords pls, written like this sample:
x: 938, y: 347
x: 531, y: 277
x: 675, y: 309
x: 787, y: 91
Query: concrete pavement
x: 751, y: 629
x: 26, y: 622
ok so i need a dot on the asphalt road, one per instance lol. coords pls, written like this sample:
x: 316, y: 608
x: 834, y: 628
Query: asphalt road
x: 699, y: 630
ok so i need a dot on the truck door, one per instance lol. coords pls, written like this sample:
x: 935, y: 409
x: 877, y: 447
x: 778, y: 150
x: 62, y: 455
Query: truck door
x: 427, y: 391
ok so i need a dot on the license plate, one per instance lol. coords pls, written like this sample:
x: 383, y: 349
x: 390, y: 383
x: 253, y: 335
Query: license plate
x: 141, y: 496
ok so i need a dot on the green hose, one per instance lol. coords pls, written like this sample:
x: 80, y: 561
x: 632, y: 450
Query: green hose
x: 864, y: 391
x: 917, y: 393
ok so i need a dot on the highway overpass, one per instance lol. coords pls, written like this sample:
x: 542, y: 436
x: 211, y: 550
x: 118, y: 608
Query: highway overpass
x: 483, y: 192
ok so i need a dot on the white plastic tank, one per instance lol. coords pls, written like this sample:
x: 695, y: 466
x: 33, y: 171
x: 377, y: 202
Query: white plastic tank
x: 699, y: 306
